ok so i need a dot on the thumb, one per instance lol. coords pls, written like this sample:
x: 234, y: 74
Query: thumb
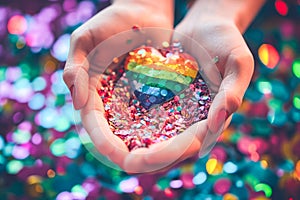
x: 76, y: 69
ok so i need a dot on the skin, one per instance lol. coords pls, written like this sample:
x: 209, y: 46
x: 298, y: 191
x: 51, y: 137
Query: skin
x: 216, y: 25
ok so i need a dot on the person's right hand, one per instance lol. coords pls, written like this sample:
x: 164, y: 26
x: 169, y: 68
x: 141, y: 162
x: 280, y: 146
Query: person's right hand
x: 120, y: 16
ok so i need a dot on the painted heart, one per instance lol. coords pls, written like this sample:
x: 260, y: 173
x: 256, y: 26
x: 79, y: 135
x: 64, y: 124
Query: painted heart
x: 157, y: 76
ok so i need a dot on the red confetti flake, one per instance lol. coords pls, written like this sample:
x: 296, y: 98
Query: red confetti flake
x: 135, y: 28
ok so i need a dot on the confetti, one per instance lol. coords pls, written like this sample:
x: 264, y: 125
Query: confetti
x: 142, y: 106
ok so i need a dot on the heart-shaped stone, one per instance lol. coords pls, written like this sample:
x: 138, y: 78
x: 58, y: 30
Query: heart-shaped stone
x: 157, y: 76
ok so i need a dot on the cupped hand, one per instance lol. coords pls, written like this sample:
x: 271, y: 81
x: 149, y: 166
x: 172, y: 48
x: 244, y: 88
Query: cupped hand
x: 224, y: 43
x: 120, y: 16
x: 219, y: 37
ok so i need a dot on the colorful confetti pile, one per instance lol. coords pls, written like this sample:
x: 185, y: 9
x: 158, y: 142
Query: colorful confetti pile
x: 154, y: 95
x: 42, y: 157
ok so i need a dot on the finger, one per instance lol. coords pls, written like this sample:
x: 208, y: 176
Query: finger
x: 207, y: 68
x: 164, y: 154
x: 76, y: 68
x: 211, y: 138
x: 122, y: 43
x: 238, y: 72
x: 96, y: 125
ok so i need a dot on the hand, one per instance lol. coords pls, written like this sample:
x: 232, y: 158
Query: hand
x: 221, y: 38
x: 89, y: 39
x: 120, y: 16
x: 218, y: 36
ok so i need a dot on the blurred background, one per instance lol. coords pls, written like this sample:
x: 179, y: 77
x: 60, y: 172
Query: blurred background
x: 42, y: 157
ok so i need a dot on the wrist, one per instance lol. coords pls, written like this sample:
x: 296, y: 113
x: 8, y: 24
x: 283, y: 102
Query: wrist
x: 238, y: 12
x: 152, y: 7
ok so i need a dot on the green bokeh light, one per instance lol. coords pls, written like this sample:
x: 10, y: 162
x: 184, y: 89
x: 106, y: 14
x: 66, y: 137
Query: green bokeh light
x: 62, y: 124
x: 14, y: 166
x: 265, y: 188
x: 163, y: 183
x: 58, y: 147
x: 275, y: 104
x: 78, y: 189
x: 21, y: 136
x: 264, y: 86
x: 296, y: 101
x: 2, y: 74
x: 296, y: 68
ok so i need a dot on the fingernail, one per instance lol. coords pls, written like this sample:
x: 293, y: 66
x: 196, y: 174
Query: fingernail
x: 220, y: 120
x: 72, y: 91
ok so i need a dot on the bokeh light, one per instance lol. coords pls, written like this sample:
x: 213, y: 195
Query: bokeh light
x: 268, y: 55
x: 60, y: 48
x: 17, y: 25
x: 281, y: 7
x: 296, y: 68
x: 265, y: 188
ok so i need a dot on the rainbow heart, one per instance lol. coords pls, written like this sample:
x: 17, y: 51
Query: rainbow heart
x: 157, y: 76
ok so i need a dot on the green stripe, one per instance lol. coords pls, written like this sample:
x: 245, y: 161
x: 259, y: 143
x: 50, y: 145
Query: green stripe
x: 156, y: 82
x: 161, y: 74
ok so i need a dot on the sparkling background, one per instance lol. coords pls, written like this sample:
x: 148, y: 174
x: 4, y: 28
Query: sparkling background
x: 41, y: 156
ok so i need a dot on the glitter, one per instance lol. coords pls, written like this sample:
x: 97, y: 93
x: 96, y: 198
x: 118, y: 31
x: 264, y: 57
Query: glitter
x: 216, y: 59
x: 152, y: 99
x: 142, y: 52
x: 141, y: 121
x: 164, y: 92
x: 115, y: 60
x: 165, y: 44
x: 129, y: 41
x: 177, y: 88
x: 135, y: 28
